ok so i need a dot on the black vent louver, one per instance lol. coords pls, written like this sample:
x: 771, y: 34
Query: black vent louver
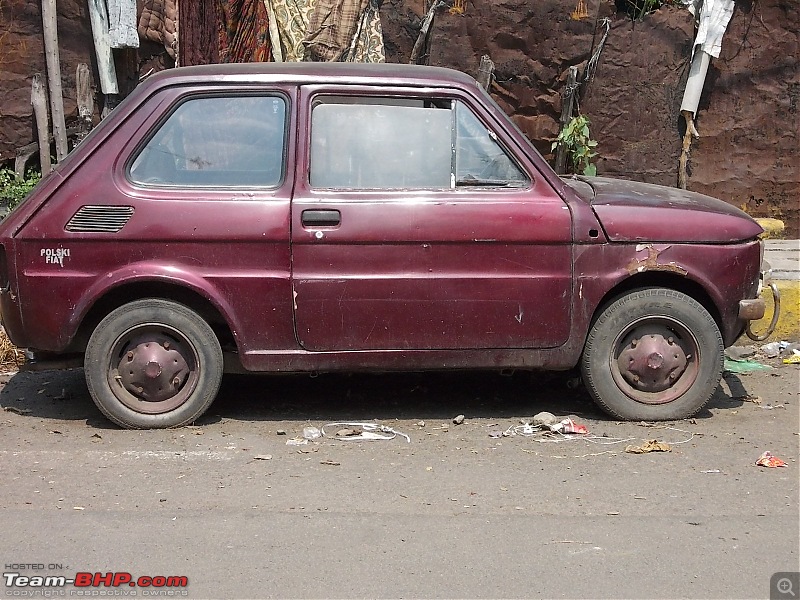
x: 99, y: 219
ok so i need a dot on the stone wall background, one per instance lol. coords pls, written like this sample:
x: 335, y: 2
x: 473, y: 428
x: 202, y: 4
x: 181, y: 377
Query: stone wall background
x: 748, y: 153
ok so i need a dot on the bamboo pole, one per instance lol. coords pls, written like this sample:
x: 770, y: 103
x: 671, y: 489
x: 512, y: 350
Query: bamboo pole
x: 50, y: 27
x: 566, y: 115
x: 39, y: 102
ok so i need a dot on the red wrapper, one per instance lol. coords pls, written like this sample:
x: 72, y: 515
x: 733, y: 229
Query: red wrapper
x: 569, y: 426
x: 768, y: 460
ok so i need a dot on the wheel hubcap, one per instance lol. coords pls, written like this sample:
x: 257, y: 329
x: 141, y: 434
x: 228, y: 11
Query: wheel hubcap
x: 155, y: 370
x: 655, y: 361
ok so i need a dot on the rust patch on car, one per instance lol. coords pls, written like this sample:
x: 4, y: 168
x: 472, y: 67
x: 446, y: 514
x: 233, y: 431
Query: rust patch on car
x: 650, y: 263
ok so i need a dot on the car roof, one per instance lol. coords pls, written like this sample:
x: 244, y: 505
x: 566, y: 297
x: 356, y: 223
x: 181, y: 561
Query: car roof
x: 314, y: 72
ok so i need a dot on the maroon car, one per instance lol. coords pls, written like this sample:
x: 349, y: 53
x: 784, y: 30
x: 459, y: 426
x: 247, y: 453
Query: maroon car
x: 315, y: 217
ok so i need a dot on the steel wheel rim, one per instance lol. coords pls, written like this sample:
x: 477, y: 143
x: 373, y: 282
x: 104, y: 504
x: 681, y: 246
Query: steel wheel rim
x: 655, y: 360
x: 153, y: 368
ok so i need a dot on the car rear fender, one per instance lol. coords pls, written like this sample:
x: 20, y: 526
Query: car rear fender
x: 147, y: 279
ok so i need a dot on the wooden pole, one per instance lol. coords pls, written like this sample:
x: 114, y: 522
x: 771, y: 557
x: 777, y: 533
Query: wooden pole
x: 566, y: 115
x: 50, y: 28
x: 83, y: 81
x: 420, y: 53
x: 39, y: 102
x: 683, y: 163
x: 485, y: 72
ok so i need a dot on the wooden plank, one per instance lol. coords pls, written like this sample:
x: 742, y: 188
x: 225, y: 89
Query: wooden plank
x: 39, y: 102
x: 50, y: 28
x: 102, y: 47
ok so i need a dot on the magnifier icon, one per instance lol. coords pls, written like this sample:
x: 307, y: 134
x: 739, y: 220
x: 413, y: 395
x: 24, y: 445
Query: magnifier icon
x: 785, y: 587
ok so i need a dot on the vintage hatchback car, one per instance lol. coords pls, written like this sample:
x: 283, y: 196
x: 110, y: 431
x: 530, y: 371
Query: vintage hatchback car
x: 316, y: 217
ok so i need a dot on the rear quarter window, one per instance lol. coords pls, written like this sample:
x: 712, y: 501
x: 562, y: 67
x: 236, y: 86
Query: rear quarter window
x: 216, y: 142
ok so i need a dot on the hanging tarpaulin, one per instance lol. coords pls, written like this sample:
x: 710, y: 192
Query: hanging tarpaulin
x: 345, y: 31
x: 367, y: 44
x: 331, y: 29
x: 325, y: 30
x: 243, y: 31
x: 288, y: 25
x: 199, y: 34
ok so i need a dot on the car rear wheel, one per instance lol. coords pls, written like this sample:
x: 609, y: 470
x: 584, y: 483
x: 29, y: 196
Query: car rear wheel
x: 153, y: 364
x: 654, y: 355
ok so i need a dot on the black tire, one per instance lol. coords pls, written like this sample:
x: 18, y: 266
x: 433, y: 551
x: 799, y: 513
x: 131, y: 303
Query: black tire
x: 653, y: 355
x: 153, y: 364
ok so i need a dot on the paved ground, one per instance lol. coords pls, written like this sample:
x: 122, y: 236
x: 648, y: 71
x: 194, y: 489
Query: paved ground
x: 453, y: 513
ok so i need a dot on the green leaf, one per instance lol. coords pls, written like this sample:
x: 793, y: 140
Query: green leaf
x: 590, y: 170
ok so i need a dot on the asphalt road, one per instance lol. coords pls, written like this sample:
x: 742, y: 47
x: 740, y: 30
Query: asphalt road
x: 454, y: 513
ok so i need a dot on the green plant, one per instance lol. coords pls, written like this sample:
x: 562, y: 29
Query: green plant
x: 13, y: 189
x: 579, y: 146
x: 637, y: 9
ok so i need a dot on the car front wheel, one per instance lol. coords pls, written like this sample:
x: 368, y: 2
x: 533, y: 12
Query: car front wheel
x: 153, y: 364
x: 654, y: 355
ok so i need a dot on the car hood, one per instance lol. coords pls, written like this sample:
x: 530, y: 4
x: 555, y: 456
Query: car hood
x: 631, y: 211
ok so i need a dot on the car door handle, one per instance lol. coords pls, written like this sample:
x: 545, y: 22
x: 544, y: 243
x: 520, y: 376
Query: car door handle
x: 320, y: 218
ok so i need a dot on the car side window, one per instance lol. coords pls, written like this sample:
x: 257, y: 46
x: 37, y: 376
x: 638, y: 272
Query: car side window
x: 402, y: 143
x: 217, y: 142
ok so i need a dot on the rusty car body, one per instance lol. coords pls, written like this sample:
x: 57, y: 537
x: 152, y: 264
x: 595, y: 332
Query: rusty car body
x: 315, y: 217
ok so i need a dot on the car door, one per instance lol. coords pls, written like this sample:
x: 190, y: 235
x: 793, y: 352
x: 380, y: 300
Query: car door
x: 417, y: 227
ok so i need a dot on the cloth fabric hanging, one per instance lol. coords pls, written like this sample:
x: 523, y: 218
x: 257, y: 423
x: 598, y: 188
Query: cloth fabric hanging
x: 243, y: 31
x: 158, y: 22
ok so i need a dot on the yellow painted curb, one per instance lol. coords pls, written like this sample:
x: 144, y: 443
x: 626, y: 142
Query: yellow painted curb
x: 773, y: 228
x: 788, y: 327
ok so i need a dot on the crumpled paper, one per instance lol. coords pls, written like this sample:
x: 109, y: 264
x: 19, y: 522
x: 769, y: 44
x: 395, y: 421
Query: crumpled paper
x: 649, y: 446
x: 770, y: 460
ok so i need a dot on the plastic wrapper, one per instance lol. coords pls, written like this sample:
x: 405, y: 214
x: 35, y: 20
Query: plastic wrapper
x: 770, y: 460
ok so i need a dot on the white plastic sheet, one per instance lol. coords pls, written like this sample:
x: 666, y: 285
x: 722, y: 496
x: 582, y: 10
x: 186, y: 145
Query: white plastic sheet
x: 713, y: 17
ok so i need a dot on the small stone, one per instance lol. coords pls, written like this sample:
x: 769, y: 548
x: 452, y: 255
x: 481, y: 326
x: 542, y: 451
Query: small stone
x: 458, y: 420
x: 421, y: 424
x: 545, y: 419
x: 281, y: 432
x: 347, y: 432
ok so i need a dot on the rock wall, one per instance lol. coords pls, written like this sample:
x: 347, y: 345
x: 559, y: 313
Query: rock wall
x: 748, y: 153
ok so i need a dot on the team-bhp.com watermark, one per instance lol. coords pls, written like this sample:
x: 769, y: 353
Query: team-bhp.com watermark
x: 20, y: 582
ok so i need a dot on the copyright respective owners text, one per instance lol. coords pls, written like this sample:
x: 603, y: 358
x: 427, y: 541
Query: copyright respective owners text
x: 784, y: 586
x: 56, y: 580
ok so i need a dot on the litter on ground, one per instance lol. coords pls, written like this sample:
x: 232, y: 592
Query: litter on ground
x: 648, y: 446
x: 770, y: 460
x: 362, y: 431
